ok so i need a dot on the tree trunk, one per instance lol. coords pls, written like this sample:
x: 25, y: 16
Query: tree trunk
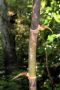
x: 33, y: 43
x: 4, y: 28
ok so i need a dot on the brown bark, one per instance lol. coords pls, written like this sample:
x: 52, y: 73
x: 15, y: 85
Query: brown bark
x: 33, y: 44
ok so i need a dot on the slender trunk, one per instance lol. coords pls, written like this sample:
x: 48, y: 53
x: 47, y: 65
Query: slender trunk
x: 33, y: 43
x: 4, y: 28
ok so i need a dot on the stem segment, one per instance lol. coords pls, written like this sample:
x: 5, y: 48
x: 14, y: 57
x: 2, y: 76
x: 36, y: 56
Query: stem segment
x: 33, y: 44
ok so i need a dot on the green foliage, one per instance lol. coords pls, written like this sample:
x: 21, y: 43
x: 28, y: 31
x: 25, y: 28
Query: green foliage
x: 52, y: 37
x: 56, y: 17
x: 50, y: 16
x: 9, y: 2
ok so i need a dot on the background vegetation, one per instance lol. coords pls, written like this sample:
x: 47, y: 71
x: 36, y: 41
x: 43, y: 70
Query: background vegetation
x: 47, y: 41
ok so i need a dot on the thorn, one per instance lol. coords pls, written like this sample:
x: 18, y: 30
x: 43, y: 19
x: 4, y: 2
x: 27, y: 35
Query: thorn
x: 21, y: 74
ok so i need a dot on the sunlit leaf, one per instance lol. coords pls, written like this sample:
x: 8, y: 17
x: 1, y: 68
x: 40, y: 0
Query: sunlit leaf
x: 56, y: 17
x: 51, y: 37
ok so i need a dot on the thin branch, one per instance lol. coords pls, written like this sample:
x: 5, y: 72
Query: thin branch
x: 21, y: 74
x: 48, y: 71
x: 43, y: 27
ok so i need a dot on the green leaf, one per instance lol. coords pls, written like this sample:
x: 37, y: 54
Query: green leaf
x: 56, y: 17
x: 51, y: 37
